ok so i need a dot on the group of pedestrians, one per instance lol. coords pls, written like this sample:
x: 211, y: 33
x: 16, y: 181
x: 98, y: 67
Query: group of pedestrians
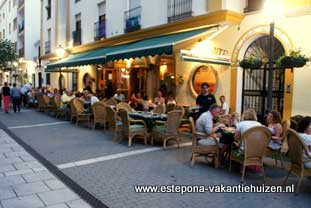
x: 14, y: 94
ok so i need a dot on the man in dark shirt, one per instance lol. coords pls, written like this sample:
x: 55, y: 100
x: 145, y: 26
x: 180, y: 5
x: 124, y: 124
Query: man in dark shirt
x: 205, y: 99
x: 6, y: 92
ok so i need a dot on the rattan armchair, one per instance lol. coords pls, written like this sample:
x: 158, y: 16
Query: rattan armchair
x: 99, y: 113
x: 47, y: 103
x: 203, y: 150
x: 169, y: 129
x: 159, y: 109
x: 112, y: 121
x: 170, y: 107
x: 81, y: 115
x: 125, y: 106
x: 133, y: 128
x: 296, y: 151
x: 73, y: 111
x: 111, y: 102
x: 256, y: 140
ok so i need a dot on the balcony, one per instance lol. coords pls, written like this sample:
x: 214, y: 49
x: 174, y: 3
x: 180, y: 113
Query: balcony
x: 179, y: 10
x: 21, y: 27
x: 21, y: 3
x: 47, y: 47
x: 21, y: 52
x: 100, y: 30
x: 132, y: 20
x: 76, y: 37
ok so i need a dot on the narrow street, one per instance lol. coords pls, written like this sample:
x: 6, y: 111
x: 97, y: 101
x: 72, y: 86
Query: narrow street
x: 104, y: 172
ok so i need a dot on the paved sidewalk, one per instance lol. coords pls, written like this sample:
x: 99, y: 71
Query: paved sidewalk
x: 26, y: 183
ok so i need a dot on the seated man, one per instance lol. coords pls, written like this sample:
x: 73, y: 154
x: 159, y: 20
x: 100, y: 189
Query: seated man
x: 66, y: 98
x: 206, y: 125
x: 93, y: 99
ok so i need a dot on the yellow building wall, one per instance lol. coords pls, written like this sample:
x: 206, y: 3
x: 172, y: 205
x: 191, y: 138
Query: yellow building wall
x: 291, y: 31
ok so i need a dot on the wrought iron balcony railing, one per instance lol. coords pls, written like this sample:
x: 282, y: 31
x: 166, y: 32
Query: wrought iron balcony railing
x: 47, y: 47
x: 21, y: 26
x: 100, y: 30
x: 179, y: 9
x: 77, y: 39
x: 132, y: 20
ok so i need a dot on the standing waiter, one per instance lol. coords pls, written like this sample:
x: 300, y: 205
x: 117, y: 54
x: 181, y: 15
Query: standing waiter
x: 205, y: 99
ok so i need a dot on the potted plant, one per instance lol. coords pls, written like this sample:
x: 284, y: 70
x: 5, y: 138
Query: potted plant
x: 251, y: 63
x: 294, y: 60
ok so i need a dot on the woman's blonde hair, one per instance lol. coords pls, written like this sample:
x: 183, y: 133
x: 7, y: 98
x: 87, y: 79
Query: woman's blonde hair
x: 249, y: 115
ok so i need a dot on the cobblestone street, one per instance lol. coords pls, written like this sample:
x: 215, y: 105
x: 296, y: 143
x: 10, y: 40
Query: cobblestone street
x: 109, y: 171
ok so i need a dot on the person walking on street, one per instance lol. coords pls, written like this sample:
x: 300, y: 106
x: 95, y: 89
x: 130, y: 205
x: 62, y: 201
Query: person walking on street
x: 6, y: 92
x: 16, y: 98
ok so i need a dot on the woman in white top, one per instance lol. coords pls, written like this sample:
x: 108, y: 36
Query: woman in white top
x: 276, y: 129
x: 304, y: 130
x: 249, y: 120
x: 170, y: 99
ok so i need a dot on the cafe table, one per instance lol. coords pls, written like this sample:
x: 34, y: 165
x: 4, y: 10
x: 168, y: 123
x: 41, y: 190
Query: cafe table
x: 148, y: 117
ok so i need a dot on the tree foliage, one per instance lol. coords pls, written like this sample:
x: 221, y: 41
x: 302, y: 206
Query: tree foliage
x: 7, y: 54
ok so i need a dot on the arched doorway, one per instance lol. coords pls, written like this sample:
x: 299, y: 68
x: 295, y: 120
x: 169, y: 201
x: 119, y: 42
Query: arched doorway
x: 255, y: 81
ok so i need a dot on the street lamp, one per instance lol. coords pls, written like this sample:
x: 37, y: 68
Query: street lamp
x: 273, y: 10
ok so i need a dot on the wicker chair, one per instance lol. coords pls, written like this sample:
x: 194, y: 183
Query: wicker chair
x: 47, y: 103
x: 256, y: 140
x: 111, y: 102
x: 41, y: 103
x: 200, y: 150
x: 132, y: 128
x: 73, y: 111
x: 296, y: 151
x: 99, y: 112
x: 125, y: 106
x: 80, y: 112
x: 278, y: 153
x: 168, y: 130
x: 159, y: 109
x: 170, y: 107
x: 112, y: 121
x: 60, y: 112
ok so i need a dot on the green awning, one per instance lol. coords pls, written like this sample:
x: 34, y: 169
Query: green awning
x: 147, y: 47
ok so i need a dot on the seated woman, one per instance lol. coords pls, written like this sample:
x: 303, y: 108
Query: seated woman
x: 275, y: 126
x: 170, y: 99
x: 304, y: 130
x: 249, y: 120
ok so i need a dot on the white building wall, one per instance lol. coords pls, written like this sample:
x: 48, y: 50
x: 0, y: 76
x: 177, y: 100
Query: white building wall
x: 32, y: 28
x: 199, y: 7
x: 153, y: 13
x: 115, y: 17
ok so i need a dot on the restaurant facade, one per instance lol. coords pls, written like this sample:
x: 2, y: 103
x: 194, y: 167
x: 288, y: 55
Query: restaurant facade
x: 179, y: 56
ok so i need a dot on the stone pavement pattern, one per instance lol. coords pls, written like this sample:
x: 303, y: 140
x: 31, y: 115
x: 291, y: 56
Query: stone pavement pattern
x: 26, y: 183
